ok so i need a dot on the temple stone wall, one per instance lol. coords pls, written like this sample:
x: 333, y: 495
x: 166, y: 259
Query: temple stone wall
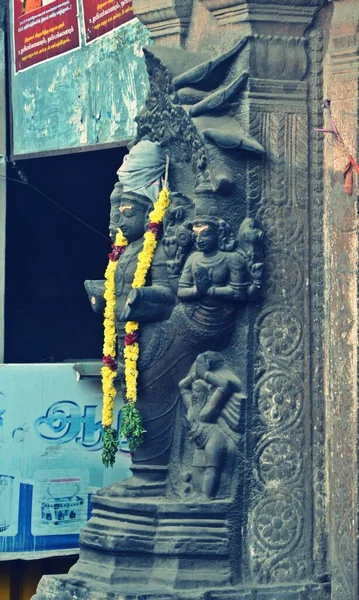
x: 295, y: 349
x: 329, y: 296
x: 341, y: 72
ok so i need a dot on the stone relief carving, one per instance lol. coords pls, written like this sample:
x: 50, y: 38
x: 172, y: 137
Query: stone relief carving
x: 168, y: 21
x: 276, y: 519
x: 224, y: 473
x: 317, y: 299
x: 214, y: 403
x: 200, y: 275
x: 277, y: 57
x: 228, y: 12
x: 189, y: 111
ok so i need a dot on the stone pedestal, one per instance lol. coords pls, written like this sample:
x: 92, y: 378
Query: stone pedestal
x: 54, y: 587
x: 156, y: 543
x: 157, y: 549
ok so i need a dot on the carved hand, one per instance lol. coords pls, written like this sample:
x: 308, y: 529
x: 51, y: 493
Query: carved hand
x: 257, y: 272
x: 203, y: 279
x: 187, y: 381
x: 132, y: 302
x: 216, y: 380
x: 207, y: 415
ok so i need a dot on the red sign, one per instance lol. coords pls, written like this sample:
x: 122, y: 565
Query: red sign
x: 102, y: 16
x: 44, y: 29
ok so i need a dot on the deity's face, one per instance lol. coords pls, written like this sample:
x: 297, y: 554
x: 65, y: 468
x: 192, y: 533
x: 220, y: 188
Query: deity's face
x: 199, y: 393
x: 132, y: 220
x: 206, y: 237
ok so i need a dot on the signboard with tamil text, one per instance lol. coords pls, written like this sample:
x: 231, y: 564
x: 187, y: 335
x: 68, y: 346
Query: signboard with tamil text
x: 43, y: 30
x: 50, y: 458
x: 103, y: 16
x: 87, y: 80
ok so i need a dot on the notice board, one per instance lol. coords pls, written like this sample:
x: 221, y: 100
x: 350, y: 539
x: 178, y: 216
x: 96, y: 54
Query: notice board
x: 77, y: 74
x: 50, y: 458
x: 43, y: 31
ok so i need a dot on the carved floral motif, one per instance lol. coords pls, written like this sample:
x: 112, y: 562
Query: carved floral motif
x: 280, y: 399
x: 284, y: 275
x: 278, y: 521
x: 279, y: 462
x: 288, y: 570
x: 280, y: 333
x: 281, y: 190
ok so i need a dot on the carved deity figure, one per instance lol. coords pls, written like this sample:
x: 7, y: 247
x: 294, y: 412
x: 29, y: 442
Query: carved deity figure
x: 215, y: 279
x: 213, y: 399
x: 250, y: 243
x: 149, y: 304
x: 185, y: 308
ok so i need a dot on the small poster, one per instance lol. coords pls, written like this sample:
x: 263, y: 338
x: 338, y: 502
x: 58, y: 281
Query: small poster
x: 60, y: 501
x: 102, y: 16
x: 44, y: 29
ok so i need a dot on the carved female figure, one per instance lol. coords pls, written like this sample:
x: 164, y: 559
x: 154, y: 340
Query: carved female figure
x: 215, y: 278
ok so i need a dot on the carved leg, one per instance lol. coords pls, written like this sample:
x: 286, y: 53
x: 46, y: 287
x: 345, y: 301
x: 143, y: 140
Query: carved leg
x: 215, y: 454
x: 197, y: 479
x: 211, y: 481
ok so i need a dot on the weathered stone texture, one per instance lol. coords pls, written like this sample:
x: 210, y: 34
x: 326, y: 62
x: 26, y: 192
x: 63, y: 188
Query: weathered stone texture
x: 341, y: 334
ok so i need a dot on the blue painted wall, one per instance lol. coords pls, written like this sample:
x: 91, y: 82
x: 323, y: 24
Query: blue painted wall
x: 89, y: 96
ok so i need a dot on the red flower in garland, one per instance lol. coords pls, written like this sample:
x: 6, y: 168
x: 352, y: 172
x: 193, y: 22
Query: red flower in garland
x: 155, y: 228
x: 116, y: 252
x: 131, y: 338
x: 109, y: 361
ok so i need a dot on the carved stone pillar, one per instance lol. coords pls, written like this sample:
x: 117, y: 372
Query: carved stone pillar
x: 236, y: 117
x: 167, y: 20
x: 286, y: 536
x: 341, y: 276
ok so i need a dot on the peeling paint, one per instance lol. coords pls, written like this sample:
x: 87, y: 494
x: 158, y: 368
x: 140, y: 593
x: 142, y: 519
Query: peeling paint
x: 90, y: 97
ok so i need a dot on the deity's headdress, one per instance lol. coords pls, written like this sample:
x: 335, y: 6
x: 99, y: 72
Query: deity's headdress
x: 143, y: 169
x: 139, y: 201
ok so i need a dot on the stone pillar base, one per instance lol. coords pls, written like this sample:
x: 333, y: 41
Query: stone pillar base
x: 64, y: 587
x: 132, y: 543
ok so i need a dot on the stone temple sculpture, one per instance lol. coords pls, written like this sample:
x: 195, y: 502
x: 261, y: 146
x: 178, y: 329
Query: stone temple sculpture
x: 178, y: 527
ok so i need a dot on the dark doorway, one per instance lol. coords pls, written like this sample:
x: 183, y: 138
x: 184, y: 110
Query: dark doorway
x: 49, y: 254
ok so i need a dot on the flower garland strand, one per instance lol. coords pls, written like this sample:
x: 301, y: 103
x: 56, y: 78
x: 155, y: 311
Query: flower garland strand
x: 131, y: 422
x: 108, y: 371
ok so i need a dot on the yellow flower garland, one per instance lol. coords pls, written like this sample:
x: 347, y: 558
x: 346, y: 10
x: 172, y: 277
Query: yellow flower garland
x: 109, y: 346
x: 131, y: 351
